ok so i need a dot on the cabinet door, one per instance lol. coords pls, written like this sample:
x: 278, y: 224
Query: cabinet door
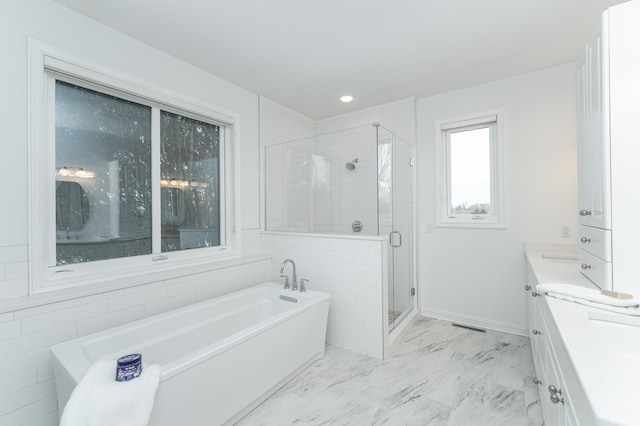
x: 556, y: 413
x: 596, y: 131
x: 584, y: 185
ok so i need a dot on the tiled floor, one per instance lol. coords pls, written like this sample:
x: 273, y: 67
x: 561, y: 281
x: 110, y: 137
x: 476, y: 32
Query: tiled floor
x: 435, y: 375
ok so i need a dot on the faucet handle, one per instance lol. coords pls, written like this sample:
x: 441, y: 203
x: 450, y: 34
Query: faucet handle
x: 302, y: 286
x: 286, y: 281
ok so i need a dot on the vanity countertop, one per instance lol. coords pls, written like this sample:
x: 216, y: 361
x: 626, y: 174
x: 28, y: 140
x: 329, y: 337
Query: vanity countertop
x: 605, y: 356
x: 556, y: 263
x: 606, y: 360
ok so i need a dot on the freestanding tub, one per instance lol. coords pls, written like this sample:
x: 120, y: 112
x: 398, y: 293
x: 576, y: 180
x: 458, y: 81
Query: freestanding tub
x: 219, y: 358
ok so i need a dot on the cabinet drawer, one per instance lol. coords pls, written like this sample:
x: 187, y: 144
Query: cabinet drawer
x: 596, y: 269
x: 596, y: 241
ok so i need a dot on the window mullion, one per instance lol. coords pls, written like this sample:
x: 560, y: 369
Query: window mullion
x: 224, y: 136
x: 156, y: 240
x: 50, y: 107
x: 448, y: 207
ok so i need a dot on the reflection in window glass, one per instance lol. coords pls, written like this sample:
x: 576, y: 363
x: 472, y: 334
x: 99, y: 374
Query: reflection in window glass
x: 190, y: 183
x: 470, y: 172
x: 103, y: 147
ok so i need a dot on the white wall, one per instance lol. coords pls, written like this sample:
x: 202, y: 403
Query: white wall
x: 476, y: 276
x: 27, y: 391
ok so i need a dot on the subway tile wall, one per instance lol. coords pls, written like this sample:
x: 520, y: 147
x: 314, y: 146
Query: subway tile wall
x: 307, y: 186
x: 398, y: 116
x: 27, y: 388
x: 351, y: 194
x: 285, y: 167
x: 352, y: 271
x: 14, y: 271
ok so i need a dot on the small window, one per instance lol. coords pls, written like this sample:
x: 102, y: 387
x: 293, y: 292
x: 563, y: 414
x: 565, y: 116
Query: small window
x: 469, y: 172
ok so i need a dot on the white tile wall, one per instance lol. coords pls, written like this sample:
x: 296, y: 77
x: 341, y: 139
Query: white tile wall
x: 353, y: 193
x: 398, y: 116
x: 352, y: 271
x: 13, y: 271
x: 288, y: 169
x: 27, y: 388
x: 295, y: 200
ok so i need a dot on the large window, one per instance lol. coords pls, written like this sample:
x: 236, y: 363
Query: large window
x: 125, y: 176
x: 469, y: 172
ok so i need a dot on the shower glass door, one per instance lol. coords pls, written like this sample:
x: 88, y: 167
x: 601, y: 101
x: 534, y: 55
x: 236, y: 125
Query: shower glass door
x: 402, y: 237
x: 395, y: 195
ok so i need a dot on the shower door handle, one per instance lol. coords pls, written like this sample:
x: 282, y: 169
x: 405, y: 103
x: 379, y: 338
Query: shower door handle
x: 392, y: 240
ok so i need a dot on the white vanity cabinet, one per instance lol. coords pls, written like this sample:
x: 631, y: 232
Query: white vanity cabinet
x: 555, y: 395
x: 608, y: 107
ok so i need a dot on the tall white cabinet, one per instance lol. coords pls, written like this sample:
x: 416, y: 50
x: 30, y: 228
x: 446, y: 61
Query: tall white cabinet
x: 608, y: 102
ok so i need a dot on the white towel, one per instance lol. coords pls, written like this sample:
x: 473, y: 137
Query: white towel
x: 99, y: 400
x: 590, y: 297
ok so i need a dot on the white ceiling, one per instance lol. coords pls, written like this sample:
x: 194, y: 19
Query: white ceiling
x: 304, y: 54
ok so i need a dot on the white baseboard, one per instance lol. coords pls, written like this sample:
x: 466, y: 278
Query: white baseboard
x: 476, y: 322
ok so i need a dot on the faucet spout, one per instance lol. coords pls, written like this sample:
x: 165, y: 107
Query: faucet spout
x: 294, y: 277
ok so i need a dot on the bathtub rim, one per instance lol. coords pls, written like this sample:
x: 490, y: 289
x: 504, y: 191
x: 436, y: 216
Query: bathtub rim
x: 71, y: 355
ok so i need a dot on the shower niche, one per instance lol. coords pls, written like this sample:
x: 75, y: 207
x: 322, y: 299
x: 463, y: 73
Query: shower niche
x: 355, y: 182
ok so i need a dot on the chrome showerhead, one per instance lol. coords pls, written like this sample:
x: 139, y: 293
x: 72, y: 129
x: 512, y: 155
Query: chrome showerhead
x: 352, y: 164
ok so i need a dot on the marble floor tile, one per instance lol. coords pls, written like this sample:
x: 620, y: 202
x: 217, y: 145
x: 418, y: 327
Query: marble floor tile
x: 435, y: 374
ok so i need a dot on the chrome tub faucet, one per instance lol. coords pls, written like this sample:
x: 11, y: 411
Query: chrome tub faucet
x: 294, y: 277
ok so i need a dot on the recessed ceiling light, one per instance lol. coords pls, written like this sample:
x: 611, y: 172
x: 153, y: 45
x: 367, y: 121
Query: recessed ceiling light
x: 346, y: 98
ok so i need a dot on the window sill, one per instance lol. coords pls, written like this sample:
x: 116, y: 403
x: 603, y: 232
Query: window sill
x: 117, y: 283
x: 472, y: 225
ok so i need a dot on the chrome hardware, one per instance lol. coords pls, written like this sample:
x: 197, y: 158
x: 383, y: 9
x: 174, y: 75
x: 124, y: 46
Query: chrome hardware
x: 286, y: 281
x: 535, y: 332
x: 537, y: 381
x: 527, y: 287
x: 535, y: 293
x: 585, y: 213
x: 303, y: 288
x: 585, y: 266
x: 585, y: 240
x: 556, y: 399
x: 555, y: 395
x: 294, y: 277
x: 356, y: 226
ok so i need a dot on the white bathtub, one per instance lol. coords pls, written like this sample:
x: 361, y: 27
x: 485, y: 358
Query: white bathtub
x: 219, y: 358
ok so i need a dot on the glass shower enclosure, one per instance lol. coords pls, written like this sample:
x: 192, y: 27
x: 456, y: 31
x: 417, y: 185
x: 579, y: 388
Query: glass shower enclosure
x: 358, y: 181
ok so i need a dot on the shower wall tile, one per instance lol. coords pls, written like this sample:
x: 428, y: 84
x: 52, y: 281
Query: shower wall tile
x: 286, y: 177
x: 27, y: 389
x: 398, y: 116
x: 351, y: 271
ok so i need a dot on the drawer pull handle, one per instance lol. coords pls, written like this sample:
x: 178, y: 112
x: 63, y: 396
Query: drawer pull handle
x: 537, y: 381
x: 585, y: 213
x: 553, y: 390
x: 585, y: 240
x: 585, y: 266
x: 527, y: 287
x: 536, y: 332
x: 556, y: 399
x: 534, y: 293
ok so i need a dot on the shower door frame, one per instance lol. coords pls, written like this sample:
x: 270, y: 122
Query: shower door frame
x: 395, y: 327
